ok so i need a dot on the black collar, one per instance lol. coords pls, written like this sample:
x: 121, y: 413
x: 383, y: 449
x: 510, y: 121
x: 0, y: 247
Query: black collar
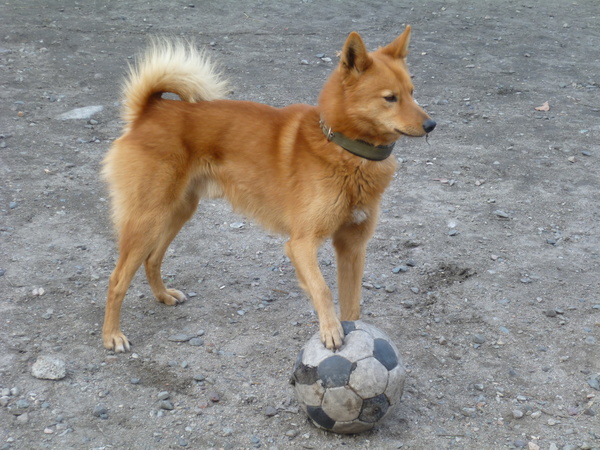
x: 356, y: 147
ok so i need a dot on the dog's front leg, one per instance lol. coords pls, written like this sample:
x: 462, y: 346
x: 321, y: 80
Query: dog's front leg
x: 303, y: 253
x: 350, y: 243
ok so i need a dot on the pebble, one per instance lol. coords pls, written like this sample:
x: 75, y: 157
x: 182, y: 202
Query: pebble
x: 180, y: 337
x: 594, y: 382
x: 415, y: 290
x: 49, y: 368
x: 270, y: 411
x: 80, y: 113
x: 101, y: 411
x: 291, y: 433
x: 469, y: 412
x: 390, y: 288
x: 166, y: 404
x: 453, y: 232
x: 517, y: 413
x: 164, y: 395
x: 135, y: 381
x: 214, y: 397
x: 501, y: 214
x: 478, y: 339
x: 196, y: 342
x: 399, y: 269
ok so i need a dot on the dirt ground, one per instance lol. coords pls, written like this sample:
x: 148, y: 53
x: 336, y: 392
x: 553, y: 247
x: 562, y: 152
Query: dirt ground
x: 484, y: 267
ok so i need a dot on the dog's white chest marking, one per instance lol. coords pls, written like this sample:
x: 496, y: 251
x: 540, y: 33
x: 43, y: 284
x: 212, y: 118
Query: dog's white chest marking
x: 359, y: 216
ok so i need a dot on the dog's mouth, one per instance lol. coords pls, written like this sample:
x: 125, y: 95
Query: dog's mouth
x: 408, y: 134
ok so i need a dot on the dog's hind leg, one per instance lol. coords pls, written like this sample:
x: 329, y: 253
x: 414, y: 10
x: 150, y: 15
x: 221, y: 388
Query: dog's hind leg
x: 179, y: 216
x: 133, y: 251
x: 143, y: 241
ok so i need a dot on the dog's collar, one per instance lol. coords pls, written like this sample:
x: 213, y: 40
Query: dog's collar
x: 356, y: 147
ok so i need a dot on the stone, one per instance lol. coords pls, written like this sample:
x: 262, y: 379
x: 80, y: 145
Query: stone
x: 49, y: 368
x: 80, y: 113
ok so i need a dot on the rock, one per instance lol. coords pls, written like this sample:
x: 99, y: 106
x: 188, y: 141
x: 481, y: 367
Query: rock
x: 49, y: 368
x: 80, y: 113
x: 101, y: 411
x: 164, y: 395
x: 594, y: 382
x: 270, y: 411
x: 399, y: 269
x: 180, y: 337
x: 478, y: 339
x: 196, y: 342
x: 167, y: 405
x: 517, y: 413
x: 501, y: 214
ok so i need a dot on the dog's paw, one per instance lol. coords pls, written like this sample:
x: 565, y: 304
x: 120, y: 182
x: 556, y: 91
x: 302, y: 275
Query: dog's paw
x: 171, y: 297
x: 332, y: 336
x: 117, y: 342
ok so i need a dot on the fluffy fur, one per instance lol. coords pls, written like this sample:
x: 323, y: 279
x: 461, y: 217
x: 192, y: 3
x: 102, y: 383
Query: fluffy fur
x: 273, y: 165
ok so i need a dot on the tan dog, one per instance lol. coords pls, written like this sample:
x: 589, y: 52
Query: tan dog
x: 311, y: 172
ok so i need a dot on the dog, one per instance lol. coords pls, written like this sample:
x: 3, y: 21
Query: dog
x: 308, y: 172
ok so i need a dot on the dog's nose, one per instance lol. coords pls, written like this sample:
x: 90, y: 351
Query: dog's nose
x: 429, y: 125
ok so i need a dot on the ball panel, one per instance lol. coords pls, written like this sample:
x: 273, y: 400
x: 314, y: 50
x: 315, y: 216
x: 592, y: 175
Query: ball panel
x: 372, y: 330
x: 357, y: 345
x: 348, y: 327
x: 373, y: 409
x: 334, y: 371
x: 341, y: 404
x: 385, y: 353
x: 320, y: 418
x: 315, y: 351
x: 370, y: 378
x: 311, y: 394
x: 395, y: 387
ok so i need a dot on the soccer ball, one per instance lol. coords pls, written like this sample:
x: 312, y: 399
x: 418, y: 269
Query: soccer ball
x: 353, y: 389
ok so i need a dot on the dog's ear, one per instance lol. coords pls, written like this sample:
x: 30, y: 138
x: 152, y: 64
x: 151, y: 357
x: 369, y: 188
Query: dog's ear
x: 399, y: 47
x: 354, y: 54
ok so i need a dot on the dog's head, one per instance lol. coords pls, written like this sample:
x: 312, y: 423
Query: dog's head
x: 370, y: 95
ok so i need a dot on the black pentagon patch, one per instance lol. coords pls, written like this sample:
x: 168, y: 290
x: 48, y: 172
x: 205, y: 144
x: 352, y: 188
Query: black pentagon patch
x: 348, y: 327
x: 385, y: 354
x: 335, y: 371
x: 374, y: 409
x: 320, y: 417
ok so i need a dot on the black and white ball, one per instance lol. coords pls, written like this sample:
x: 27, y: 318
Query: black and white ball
x: 353, y: 389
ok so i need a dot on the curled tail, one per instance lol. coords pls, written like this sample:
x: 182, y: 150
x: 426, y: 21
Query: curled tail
x: 174, y: 66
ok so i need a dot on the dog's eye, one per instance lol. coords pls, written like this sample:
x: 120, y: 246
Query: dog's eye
x: 391, y: 98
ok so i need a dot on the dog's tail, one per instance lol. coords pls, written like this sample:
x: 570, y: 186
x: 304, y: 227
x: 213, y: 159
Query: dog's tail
x: 174, y: 66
